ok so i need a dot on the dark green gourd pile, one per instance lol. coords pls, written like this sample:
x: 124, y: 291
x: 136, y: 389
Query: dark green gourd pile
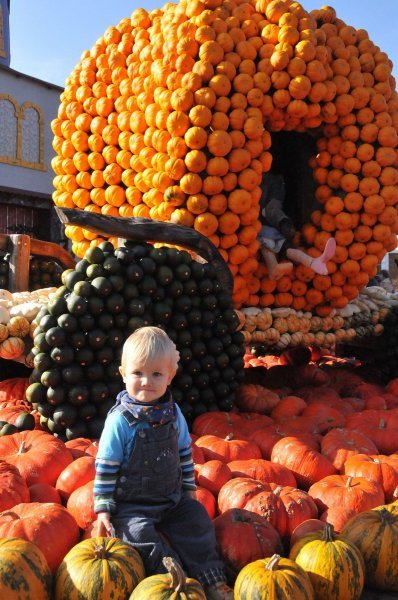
x: 110, y: 293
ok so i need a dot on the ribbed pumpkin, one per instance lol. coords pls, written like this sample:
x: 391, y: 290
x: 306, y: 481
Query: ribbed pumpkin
x: 48, y: 525
x: 13, y: 488
x: 13, y: 389
x: 99, y: 569
x: 334, y: 564
x: 237, y: 524
x: 375, y: 533
x: 39, y: 456
x: 24, y: 572
x: 169, y: 586
x: 12, y: 348
x: 273, y: 578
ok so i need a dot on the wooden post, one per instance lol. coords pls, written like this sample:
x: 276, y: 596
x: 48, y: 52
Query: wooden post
x: 19, y: 263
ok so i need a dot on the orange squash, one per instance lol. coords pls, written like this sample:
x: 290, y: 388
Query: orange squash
x: 187, y: 97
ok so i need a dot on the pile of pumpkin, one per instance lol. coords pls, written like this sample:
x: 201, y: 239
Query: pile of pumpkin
x: 319, y: 448
x: 170, y: 116
x: 43, y: 272
x: 17, y: 311
x: 79, y: 333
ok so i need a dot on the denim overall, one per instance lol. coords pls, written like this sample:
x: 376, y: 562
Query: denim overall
x: 154, y: 515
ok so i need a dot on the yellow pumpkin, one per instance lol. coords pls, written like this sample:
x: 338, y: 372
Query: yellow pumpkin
x: 273, y: 577
x: 18, y: 327
x: 334, y: 564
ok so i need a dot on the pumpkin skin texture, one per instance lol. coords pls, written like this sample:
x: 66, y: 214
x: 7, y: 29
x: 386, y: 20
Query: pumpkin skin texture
x: 283, y: 506
x: 375, y: 533
x: 13, y: 389
x: 39, y: 456
x: 307, y: 465
x: 237, y: 524
x: 42, y: 492
x: 13, y: 488
x: 82, y: 447
x: 375, y: 468
x: 262, y: 470
x: 165, y: 121
x: 205, y: 497
x: 273, y: 578
x: 76, y: 474
x: 256, y: 398
x: 48, y: 525
x: 98, y: 569
x: 169, y: 586
x: 228, y: 449
x: 334, y: 564
x: 80, y: 504
x: 24, y: 572
x: 344, y: 491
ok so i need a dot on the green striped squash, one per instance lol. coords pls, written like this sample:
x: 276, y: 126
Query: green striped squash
x: 273, y: 578
x: 375, y: 533
x: 169, y: 586
x: 99, y: 568
x: 334, y: 564
x: 24, y: 572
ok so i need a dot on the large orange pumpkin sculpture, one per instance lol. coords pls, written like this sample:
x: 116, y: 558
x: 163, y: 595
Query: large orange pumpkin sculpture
x: 172, y: 115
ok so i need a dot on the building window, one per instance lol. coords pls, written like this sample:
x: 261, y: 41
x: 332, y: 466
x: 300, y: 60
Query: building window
x: 22, y: 134
x: 8, y: 128
x: 31, y: 136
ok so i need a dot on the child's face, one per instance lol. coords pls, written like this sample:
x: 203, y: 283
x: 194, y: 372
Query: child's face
x: 147, y: 380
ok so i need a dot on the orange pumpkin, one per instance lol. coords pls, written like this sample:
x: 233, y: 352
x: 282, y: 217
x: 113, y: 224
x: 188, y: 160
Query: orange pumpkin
x: 189, y: 100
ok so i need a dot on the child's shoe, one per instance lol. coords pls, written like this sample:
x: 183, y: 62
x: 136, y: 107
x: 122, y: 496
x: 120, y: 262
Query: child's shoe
x: 219, y: 591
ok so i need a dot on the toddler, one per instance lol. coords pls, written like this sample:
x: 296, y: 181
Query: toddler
x: 144, y: 480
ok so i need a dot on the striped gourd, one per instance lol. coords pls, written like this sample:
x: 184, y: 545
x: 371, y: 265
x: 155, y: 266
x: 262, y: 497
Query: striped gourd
x: 24, y: 572
x: 169, y: 586
x: 375, y: 533
x: 334, y: 564
x: 99, y: 569
x: 273, y: 578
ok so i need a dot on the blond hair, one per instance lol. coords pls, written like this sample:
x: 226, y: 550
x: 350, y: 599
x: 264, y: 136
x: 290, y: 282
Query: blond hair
x: 148, y: 343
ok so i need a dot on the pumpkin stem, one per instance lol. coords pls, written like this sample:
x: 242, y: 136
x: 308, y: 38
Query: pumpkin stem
x: 272, y: 564
x: 328, y: 533
x: 395, y: 494
x: 348, y: 482
x: 229, y: 437
x: 382, y: 424
x: 100, y: 551
x: 386, y: 515
x: 177, y: 574
x: 9, y: 513
x: 22, y: 448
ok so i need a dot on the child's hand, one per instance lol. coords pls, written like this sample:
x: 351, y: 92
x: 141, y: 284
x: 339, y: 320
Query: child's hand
x: 105, y: 527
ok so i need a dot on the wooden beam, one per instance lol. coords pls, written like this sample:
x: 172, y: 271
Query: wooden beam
x: 19, y: 262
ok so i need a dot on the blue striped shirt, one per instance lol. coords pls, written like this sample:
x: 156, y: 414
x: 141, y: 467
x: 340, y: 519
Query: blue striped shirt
x: 114, y: 450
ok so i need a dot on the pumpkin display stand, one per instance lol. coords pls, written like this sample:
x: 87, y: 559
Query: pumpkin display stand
x: 150, y: 279
x: 20, y: 248
x: 30, y: 270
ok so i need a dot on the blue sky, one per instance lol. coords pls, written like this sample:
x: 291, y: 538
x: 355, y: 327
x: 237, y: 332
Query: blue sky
x: 48, y: 37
